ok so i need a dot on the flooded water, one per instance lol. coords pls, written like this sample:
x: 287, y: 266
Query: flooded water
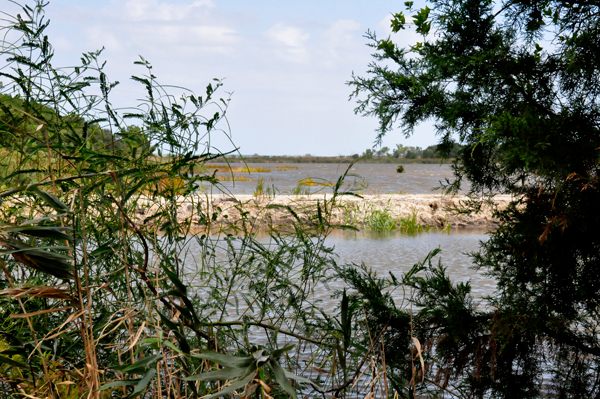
x: 368, y: 178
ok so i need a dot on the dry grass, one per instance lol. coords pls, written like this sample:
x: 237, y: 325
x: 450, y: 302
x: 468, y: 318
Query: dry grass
x: 310, y: 182
x: 286, y: 167
x: 234, y: 178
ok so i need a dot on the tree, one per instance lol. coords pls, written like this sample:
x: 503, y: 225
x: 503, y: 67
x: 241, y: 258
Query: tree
x: 517, y: 84
x: 383, y: 152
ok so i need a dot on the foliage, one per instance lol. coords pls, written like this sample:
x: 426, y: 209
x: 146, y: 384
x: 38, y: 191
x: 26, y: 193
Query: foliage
x: 101, y: 298
x: 515, y: 83
x: 97, y: 299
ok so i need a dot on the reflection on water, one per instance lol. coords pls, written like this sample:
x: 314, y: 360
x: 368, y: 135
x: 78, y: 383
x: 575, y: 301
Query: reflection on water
x: 396, y: 253
x: 372, y: 178
x: 390, y: 252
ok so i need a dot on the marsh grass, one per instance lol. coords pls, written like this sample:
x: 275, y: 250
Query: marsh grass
x: 99, y: 299
x: 309, y: 181
x: 301, y: 189
x: 282, y: 168
x: 234, y: 178
x: 380, y: 220
x: 411, y: 224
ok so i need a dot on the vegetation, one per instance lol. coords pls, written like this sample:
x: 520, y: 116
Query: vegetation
x: 97, y: 299
x: 516, y: 85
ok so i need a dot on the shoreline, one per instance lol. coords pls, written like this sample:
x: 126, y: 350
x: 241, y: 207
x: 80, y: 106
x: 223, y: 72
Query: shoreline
x: 428, y: 210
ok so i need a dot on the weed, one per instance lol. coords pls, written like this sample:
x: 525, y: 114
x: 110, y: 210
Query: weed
x: 301, y: 190
x: 411, y: 224
x: 380, y: 220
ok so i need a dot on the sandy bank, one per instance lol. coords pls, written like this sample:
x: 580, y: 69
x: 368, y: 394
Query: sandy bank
x: 429, y: 209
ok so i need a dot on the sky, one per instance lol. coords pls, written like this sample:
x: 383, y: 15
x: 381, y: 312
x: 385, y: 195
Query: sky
x: 285, y: 63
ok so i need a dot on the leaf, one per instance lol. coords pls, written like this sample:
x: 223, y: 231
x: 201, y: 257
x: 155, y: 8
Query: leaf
x: 50, y: 200
x: 120, y: 383
x: 228, y: 373
x: 225, y: 360
x: 11, y: 362
x: 293, y: 376
x: 419, y: 352
x: 233, y: 387
x: 42, y: 231
x: 141, y: 386
x: 281, y: 378
x: 277, y: 353
x: 140, y: 364
x: 42, y: 219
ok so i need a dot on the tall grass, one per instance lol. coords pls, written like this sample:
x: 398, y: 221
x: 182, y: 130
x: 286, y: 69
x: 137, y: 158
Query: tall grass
x: 380, y: 220
x: 98, y: 299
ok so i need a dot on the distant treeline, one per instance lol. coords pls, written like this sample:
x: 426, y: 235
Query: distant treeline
x: 400, y: 155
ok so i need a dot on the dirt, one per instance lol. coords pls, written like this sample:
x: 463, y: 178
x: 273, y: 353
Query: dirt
x: 283, y: 210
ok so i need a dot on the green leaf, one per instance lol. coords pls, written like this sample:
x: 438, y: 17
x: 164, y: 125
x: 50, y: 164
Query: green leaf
x: 14, y: 363
x: 143, y: 383
x: 281, y: 378
x: 398, y: 22
x: 228, y: 373
x: 277, y: 353
x: 225, y: 360
x: 120, y: 383
x: 233, y: 387
x: 139, y: 365
x: 293, y: 376
x: 50, y: 200
x: 42, y: 231
x: 42, y: 219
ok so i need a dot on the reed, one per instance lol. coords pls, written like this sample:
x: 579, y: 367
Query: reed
x: 100, y: 299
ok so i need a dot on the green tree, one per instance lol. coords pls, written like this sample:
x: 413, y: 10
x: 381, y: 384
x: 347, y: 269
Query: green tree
x: 516, y: 83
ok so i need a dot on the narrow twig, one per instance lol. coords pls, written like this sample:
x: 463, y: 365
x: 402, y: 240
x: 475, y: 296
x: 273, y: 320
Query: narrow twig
x: 142, y: 272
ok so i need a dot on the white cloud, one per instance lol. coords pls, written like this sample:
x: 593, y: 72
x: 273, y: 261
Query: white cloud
x: 292, y: 42
x: 152, y: 10
x: 343, y: 32
x: 339, y: 43
x: 288, y: 35
x: 159, y: 28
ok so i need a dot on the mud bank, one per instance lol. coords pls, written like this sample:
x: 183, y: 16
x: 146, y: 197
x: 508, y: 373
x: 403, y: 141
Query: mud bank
x: 283, y: 210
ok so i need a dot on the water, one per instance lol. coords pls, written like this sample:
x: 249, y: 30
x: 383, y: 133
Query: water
x: 372, y: 178
x: 397, y: 253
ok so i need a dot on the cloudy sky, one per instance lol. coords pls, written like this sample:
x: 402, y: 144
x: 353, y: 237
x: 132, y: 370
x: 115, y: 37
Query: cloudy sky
x: 285, y: 62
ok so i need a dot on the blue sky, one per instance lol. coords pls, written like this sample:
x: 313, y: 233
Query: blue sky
x: 285, y: 62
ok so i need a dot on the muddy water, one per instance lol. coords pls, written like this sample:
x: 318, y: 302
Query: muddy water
x: 369, y: 178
